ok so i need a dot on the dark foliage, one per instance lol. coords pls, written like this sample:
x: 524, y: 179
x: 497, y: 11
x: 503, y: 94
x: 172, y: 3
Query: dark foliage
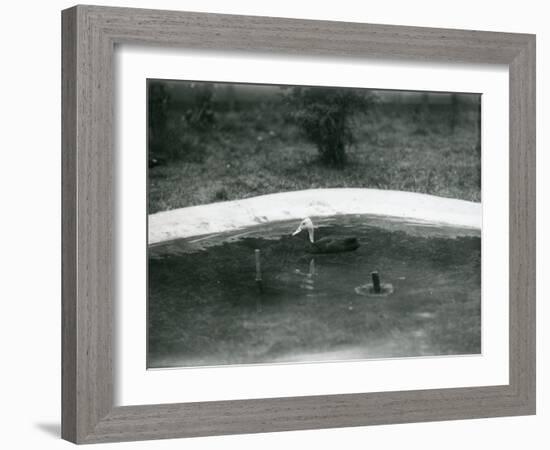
x: 325, y: 116
x: 157, y: 115
x: 175, y: 127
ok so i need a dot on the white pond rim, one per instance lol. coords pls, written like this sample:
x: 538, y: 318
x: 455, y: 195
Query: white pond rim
x: 237, y: 214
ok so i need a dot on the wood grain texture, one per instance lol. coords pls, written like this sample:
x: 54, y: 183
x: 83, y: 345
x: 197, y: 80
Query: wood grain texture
x: 523, y: 224
x: 89, y: 36
x: 68, y: 225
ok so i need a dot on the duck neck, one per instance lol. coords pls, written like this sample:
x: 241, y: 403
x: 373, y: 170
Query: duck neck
x: 310, y: 232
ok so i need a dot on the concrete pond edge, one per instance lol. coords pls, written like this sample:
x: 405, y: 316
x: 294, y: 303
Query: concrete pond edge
x: 238, y: 214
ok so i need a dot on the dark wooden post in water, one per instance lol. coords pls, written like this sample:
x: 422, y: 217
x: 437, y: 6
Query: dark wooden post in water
x: 375, y: 282
x: 258, y: 272
x: 258, y: 266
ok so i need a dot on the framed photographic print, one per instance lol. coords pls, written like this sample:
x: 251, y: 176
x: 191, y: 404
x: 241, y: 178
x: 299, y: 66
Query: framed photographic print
x: 279, y: 224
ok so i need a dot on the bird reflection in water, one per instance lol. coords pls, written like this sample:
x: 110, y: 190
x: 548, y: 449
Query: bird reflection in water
x: 307, y: 281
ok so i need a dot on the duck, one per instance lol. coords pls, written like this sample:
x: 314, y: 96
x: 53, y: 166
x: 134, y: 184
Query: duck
x: 328, y: 244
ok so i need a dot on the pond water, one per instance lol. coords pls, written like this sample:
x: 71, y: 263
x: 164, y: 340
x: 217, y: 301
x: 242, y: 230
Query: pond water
x: 206, y: 306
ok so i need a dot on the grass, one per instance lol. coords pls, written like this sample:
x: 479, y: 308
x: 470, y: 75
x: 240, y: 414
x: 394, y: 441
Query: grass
x: 254, y: 152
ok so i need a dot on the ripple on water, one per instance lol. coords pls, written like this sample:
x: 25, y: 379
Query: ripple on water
x: 207, y: 308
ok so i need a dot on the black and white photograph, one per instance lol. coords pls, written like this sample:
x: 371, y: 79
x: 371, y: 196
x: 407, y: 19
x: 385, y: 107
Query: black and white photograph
x: 291, y: 224
x: 275, y: 225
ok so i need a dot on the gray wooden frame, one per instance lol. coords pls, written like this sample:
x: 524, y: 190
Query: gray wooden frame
x: 89, y: 36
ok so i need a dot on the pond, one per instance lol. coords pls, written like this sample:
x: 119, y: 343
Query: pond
x: 207, y: 307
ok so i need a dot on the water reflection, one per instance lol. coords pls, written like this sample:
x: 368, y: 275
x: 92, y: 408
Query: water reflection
x: 307, y: 280
x: 260, y: 298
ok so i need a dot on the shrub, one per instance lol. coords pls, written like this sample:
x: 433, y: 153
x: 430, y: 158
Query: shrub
x: 157, y: 116
x: 180, y: 120
x: 325, y: 116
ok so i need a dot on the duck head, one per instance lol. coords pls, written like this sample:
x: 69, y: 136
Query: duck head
x: 305, y: 224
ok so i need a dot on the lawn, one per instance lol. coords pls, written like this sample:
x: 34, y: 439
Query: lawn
x: 255, y: 150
